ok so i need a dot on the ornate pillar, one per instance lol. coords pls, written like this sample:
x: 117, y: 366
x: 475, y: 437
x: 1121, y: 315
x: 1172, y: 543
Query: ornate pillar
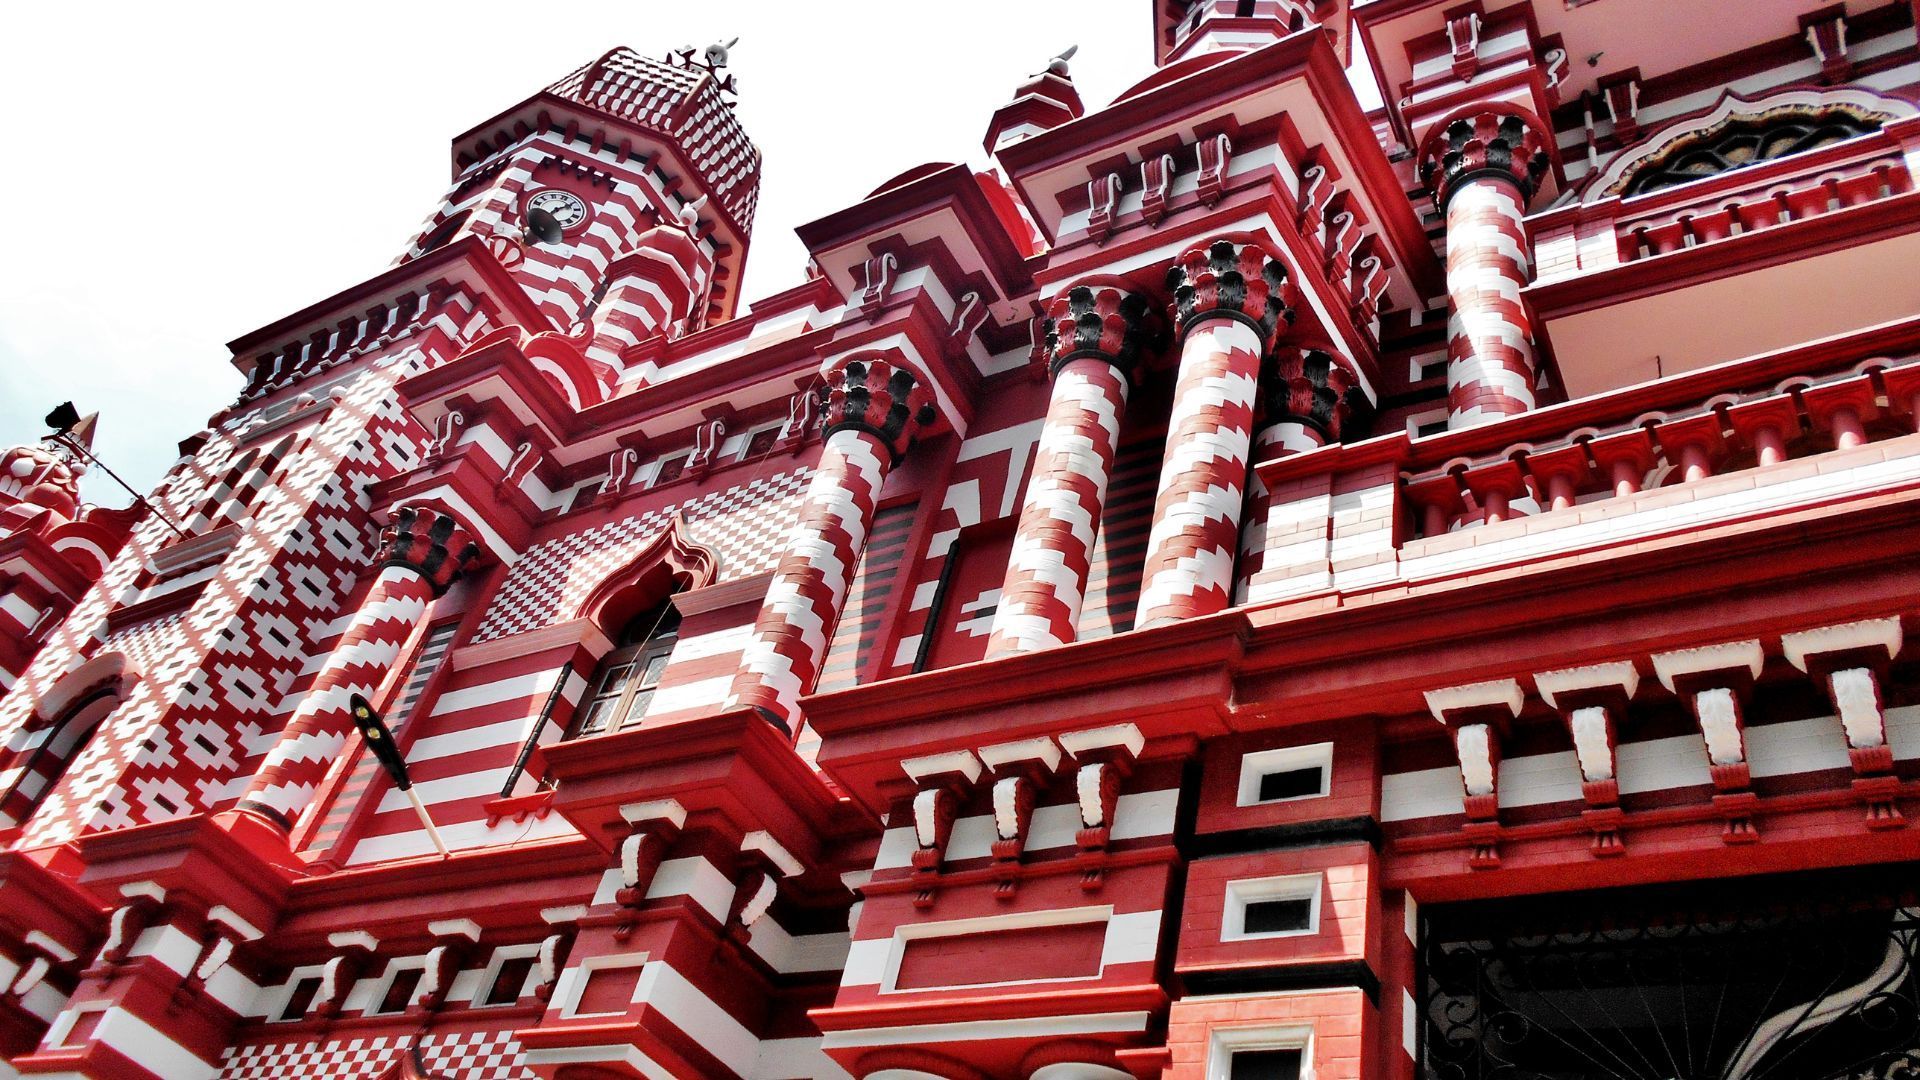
x: 1306, y: 398
x: 1093, y: 338
x: 1482, y: 168
x: 420, y: 556
x: 872, y: 411
x: 1228, y: 300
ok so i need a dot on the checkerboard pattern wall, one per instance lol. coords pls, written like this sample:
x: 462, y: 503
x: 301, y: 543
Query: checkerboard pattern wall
x: 746, y: 525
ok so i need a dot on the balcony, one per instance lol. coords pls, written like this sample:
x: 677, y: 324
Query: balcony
x: 1748, y: 261
x: 1810, y: 430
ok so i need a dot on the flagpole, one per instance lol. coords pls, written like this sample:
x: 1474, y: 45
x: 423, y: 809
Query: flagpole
x: 427, y: 820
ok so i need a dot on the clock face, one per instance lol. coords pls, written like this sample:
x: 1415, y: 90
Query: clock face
x: 564, y: 207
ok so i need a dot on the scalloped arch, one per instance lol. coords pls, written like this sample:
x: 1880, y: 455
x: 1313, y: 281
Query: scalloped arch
x: 1677, y: 134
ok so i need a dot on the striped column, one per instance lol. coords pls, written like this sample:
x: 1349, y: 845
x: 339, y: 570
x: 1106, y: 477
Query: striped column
x: 872, y: 410
x: 649, y: 289
x: 1482, y: 169
x: 1307, y: 400
x: 420, y: 556
x: 1093, y: 337
x: 1228, y: 300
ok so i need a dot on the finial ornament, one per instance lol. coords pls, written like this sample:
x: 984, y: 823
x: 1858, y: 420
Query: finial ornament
x: 1058, y: 65
x: 689, y: 215
x: 711, y: 60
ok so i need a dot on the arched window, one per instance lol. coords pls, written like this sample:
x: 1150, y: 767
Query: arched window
x: 33, y: 762
x: 623, y: 686
x: 1747, y: 140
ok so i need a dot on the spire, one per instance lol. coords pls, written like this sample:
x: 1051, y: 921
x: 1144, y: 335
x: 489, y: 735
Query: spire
x: 1045, y: 101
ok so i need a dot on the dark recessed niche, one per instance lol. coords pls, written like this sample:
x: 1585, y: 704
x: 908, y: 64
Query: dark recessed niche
x: 1292, y: 783
x: 1265, y: 1065
x: 1279, y: 916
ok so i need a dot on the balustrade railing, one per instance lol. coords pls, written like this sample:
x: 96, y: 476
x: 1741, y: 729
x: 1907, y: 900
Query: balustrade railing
x: 1607, y: 233
x: 1759, y: 428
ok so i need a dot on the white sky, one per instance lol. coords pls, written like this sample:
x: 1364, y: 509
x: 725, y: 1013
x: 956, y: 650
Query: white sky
x: 180, y: 174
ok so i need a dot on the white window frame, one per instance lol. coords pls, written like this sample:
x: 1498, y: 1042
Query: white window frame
x: 1256, y: 766
x: 1224, y: 1042
x: 395, y: 968
x: 276, y: 999
x: 1241, y: 893
x: 492, y: 971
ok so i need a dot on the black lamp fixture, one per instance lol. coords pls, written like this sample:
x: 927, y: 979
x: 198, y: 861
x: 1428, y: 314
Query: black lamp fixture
x: 63, y: 419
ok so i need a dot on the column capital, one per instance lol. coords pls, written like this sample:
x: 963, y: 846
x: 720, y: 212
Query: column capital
x: 1103, y: 322
x: 1230, y: 280
x: 873, y: 394
x: 429, y: 542
x: 1310, y: 387
x: 1489, y: 140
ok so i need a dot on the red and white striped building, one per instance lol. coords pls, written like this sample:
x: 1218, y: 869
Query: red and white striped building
x: 1243, y: 582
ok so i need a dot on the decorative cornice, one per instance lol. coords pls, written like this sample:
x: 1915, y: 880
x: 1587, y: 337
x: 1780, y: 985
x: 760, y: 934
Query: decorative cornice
x: 1485, y: 141
x: 1229, y: 280
x: 1311, y: 387
x: 430, y: 543
x: 874, y: 395
x: 1097, y: 321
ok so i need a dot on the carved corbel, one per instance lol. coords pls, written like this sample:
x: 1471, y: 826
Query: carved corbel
x: 967, y: 317
x: 1156, y: 183
x: 1463, y: 38
x: 1018, y: 770
x: 763, y: 862
x: 552, y: 957
x: 354, y: 954
x: 1478, y: 715
x: 1714, y: 680
x: 144, y: 900
x: 43, y: 955
x: 1215, y: 154
x: 446, y: 432
x: 1593, y: 701
x: 224, y: 931
x: 877, y: 281
x: 454, y: 941
x: 1852, y: 660
x: 1623, y: 104
x: 1105, y: 758
x: 706, y: 446
x: 1316, y: 191
x: 652, y: 827
x: 1826, y: 33
x: 943, y: 779
x: 622, y: 465
x: 803, y: 417
x: 520, y: 464
x: 1103, y: 206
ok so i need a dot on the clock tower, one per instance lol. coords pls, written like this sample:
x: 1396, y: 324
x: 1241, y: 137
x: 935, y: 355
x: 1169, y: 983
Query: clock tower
x: 565, y: 184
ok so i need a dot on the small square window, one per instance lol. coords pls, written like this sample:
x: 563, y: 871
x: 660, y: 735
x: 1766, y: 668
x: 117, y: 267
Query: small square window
x: 1286, y: 774
x: 400, y: 991
x: 1424, y: 429
x: 670, y: 469
x: 1265, y: 1065
x: 301, y: 999
x: 760, y: 444
x: 1284, y: 916
x: 508, y: 981
x: 1271, y: 908
x: 1293, y: 783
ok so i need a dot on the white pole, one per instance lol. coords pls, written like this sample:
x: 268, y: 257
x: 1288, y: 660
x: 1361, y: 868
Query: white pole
x: 427, y: 820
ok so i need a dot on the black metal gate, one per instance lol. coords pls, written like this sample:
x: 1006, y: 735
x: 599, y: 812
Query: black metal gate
x: 1800, y: 977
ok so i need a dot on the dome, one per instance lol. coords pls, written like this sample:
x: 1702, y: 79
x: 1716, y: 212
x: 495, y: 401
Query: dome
x: 39, y: 477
